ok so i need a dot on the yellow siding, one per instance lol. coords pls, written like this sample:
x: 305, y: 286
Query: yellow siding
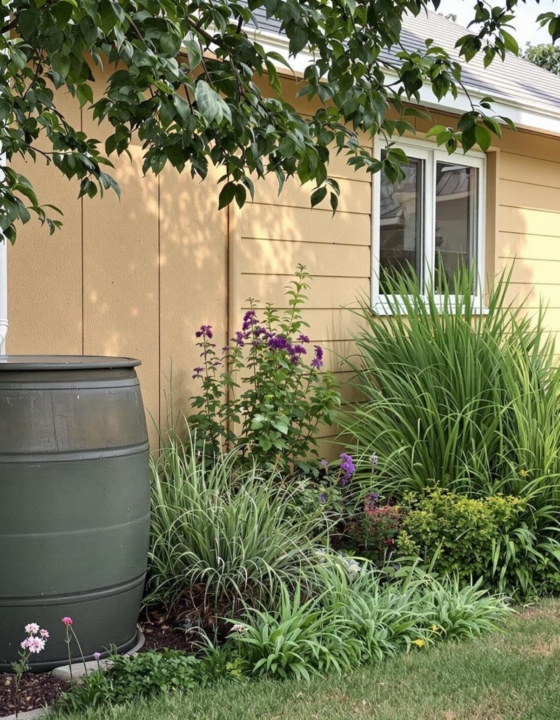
x: 137, y: 277
x: 529, y: 223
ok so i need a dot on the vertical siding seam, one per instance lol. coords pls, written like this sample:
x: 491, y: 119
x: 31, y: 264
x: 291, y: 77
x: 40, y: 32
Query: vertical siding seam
x: 82, y: 251
x: 160, y: 409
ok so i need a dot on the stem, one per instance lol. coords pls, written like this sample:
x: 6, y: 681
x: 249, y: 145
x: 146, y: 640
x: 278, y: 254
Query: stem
x: 80, y: 649
x: 69, y: 653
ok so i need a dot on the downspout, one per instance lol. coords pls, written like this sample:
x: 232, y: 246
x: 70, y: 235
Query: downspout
x: 3, y: 282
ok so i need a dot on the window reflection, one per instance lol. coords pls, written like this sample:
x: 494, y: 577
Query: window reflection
x: 401, y: 231
x: 456, y: 191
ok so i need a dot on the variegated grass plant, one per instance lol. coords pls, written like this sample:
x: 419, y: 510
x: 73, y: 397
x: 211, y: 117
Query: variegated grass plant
x: 221, y: 535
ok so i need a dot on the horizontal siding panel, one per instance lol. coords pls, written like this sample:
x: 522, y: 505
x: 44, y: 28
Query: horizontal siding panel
x: 323, y: 292
x: 531, y: 295
x: 530, y: 170
x: 281, y: 258
x: 523, y: 195
x: 533, y: 247
x: 269, y: 222
x: 532, y: 271
x: 355, y: 197
x: 530, y: 222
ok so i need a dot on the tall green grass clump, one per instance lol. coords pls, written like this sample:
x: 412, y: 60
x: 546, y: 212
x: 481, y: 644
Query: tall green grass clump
x: 464, y: 400
x: 221, y: 535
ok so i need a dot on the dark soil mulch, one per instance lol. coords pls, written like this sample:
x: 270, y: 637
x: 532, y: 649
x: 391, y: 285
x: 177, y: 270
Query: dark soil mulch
x: 40, y: 689
x: 35, y: 691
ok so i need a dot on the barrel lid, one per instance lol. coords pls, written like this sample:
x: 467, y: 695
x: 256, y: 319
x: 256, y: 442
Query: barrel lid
x: 64, y: 362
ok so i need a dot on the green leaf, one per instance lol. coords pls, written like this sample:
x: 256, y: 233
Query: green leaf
x: 227, y: 194
x: 208, y: 102
x: 194, y: 52
x: 318, y: 195
x: 436, y: 130
x: 28, y: 22
x: 483, y: 137
x: 169, y: 44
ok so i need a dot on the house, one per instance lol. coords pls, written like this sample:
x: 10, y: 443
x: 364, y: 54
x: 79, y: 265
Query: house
x: 137, y: 277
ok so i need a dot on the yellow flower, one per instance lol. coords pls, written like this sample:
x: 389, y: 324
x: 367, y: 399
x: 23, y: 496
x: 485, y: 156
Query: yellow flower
x: 419, y: 643
x: 523, y: 473
x: 434, y: 628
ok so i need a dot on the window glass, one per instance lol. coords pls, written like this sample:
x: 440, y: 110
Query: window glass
x: 401, y: 231
x: 456, y: 227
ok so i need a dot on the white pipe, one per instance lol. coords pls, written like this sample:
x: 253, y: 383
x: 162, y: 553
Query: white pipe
x: 3, y: 283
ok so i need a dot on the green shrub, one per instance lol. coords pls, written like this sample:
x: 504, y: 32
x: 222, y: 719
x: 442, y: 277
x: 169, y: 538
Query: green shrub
x: 263, y: 395
x: 221, y: 535
x: 471, y: 538
x: 464, y: 401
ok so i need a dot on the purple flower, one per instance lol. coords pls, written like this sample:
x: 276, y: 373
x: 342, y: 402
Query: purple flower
x: 374, y: 460
x: 225, y: 349
x: 96, y: 656
x: 205, y: 332
x: 317, y: 361
x: 373, y: 498
x: 198, y: 370
x: 278, y: 343
x: 303, y: 339
x: 300, y: 350
x: 239, y: 339
x: 348, y: 468
x: 323, y: 498
x: 324, y: 464
x: 249, y: 319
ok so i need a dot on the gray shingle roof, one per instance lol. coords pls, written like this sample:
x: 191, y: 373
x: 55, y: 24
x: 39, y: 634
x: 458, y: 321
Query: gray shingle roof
x: 514, y: 80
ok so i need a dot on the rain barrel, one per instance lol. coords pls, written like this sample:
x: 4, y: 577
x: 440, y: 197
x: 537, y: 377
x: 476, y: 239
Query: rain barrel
x: 74, y: 503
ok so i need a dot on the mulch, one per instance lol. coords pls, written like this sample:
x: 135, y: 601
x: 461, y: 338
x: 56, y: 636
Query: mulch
x: 35, y: 691
x: 40, y: 689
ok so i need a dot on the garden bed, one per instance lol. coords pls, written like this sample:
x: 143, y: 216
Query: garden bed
x: 40, y: 689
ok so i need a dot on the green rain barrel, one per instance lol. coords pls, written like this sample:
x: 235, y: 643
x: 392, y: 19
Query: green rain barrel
x: 74, y: 503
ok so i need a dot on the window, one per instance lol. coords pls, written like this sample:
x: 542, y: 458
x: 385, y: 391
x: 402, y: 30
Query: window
x: 430, y: 223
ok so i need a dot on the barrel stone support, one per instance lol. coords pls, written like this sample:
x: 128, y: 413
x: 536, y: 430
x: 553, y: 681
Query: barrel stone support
x: 74, y: 503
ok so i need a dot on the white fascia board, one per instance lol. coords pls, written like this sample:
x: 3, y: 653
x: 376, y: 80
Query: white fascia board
x: 545, y: 119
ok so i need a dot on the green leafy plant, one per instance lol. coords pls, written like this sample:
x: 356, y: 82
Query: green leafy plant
x: 261, y: 395
x: 130, y: 677
x: 297, y: 639
x: 221, y: 534
x: 471, y: 538
x: 359, y: 618
x: 466, y: 401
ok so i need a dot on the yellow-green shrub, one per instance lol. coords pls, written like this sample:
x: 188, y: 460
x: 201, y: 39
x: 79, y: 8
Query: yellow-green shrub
x: 473, y: 538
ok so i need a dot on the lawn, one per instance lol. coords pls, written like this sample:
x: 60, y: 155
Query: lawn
x: 514, y: 675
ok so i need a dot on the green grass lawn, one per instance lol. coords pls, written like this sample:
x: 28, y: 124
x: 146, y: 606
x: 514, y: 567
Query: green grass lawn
x: 514, y: 675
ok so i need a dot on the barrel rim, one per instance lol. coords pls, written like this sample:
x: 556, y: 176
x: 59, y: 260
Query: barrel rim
x: 10, y: 363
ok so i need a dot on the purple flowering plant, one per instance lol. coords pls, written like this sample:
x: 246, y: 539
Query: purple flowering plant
x: 266, y: 393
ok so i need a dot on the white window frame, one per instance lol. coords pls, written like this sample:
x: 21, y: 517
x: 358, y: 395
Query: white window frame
x: 431, y: 154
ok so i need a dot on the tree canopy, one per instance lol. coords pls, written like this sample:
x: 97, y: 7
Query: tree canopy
x: 183, y: 76
x: 544, y: 55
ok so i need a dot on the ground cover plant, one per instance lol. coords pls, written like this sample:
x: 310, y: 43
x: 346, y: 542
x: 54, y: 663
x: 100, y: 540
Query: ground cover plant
x: 467, y: 402
x: 337, y: 627
x: 510, y: 675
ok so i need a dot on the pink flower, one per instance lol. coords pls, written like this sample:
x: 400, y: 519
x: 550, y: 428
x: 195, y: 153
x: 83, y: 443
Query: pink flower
x: 35, y: 644
x: 32, y: 629
x: 96, y: 656
x: 67, y: 621
x: 44, y: 634
x: 24, y: 644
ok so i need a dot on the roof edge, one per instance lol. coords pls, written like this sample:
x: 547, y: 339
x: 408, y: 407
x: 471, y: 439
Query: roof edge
x: 545, y: 119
